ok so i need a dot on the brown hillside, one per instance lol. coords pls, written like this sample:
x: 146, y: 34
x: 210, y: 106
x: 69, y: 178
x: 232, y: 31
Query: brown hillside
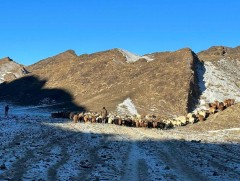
x: 161, y: 86
x: 9, y: 70
x: 216, y: 53
x: 227, y: 119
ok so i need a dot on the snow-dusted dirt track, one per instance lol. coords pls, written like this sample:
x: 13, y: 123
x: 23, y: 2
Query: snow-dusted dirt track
x: 41, y: 148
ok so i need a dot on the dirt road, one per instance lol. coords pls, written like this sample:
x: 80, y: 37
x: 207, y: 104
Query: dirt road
x: 40, y: 148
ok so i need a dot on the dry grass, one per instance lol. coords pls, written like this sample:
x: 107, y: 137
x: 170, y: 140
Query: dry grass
x: 105, y: 79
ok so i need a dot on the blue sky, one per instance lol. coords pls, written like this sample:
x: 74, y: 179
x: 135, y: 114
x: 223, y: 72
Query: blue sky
x: 31, y: 30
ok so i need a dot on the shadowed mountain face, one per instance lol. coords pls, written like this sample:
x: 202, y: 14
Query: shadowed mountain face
x: 160, y: 86
x: 29, y: 90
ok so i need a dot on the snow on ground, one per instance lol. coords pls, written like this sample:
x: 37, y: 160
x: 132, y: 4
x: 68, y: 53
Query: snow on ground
x: 37, y: 147
x: 219, y: 80
x: 127, y: 108
x: 131, y: 57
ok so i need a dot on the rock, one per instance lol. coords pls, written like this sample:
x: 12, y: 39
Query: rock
x: 215, y: 173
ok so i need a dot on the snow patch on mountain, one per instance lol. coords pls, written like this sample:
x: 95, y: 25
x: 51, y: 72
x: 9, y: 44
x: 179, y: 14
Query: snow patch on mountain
x: 131, y: 57
x: 219, y: 80
x: 127, y: 108
x: 8, y: 68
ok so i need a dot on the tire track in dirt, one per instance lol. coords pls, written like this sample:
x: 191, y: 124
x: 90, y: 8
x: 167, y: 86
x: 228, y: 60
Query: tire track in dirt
x: 32, y: 155
x: 170, y: 158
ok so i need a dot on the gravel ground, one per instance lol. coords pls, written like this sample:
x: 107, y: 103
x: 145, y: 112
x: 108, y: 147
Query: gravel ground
x: 41, y: 148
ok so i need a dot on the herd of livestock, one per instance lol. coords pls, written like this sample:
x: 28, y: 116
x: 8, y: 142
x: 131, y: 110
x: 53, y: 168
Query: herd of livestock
x: 148, y: 121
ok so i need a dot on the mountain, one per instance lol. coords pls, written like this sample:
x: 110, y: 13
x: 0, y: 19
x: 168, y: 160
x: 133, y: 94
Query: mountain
x: 162, y: 83
x: 10, y: 70
x: 220, y: 75
x: 157, y: 83
x: 217, y: 53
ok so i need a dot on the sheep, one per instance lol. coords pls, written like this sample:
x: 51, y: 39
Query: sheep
x: 182, y: 119
x: 80, y: 117
x: 191, y: 120
x: 145, y: 124
x: 200, y: 117
x: 75, y: 118
x: 168, y: 123
x: 190, y: 115
x: 93, y: 120
x: 137, y: 124
x: 71, y: 115
x: 212, y: 105
x: 86, y: 118
x: 161, y: 125
x: 232, y: 101
x: 110, y: 119
x: 99, y: 119
x: 134, y: 123
x: 203, y: 113
x: 217, y: 103
x: 212, y: 110
x: 221, y: 106
x: 154, y: 124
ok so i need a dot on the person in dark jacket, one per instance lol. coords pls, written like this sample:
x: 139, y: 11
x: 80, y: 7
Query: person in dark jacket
x: 6, y: 110
x: 104, y: 115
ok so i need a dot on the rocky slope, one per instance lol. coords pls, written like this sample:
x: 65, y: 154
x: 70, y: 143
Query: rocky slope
x: 163, y: 83
x: 157, y: 83
x: 219, y: 75
x: 10, y: 70
x: 217, y: 53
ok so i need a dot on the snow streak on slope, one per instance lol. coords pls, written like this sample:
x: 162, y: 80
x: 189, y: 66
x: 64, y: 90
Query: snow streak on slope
x: 221, y: 80
x: 127, y: 108
x: 131, y: 57
x: 7, y: 68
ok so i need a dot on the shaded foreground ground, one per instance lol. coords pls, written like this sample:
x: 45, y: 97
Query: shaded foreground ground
x: 41, y: 148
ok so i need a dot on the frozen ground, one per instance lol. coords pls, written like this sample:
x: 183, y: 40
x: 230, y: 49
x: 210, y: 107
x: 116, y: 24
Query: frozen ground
x: 37, y: 147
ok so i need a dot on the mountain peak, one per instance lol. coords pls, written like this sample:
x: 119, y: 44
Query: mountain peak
x: 215, y: 53
x: 132, y: 57
x: 6, y: 59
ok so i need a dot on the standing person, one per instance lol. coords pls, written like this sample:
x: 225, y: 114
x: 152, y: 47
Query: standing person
x: 104, y: 115
x: 6, y: 110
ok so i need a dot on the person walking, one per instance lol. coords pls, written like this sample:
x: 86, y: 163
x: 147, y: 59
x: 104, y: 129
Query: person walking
x: 104, y: 115
x: 6, y: 110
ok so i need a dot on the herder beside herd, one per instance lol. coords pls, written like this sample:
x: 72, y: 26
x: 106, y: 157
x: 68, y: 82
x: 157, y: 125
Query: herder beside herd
x: 148, y: 121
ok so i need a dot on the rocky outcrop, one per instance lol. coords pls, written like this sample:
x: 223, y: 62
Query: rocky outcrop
x: 10, y: 70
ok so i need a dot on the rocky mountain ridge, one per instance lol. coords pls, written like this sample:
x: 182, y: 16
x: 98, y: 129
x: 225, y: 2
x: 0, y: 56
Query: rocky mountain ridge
x: 163, y: 83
